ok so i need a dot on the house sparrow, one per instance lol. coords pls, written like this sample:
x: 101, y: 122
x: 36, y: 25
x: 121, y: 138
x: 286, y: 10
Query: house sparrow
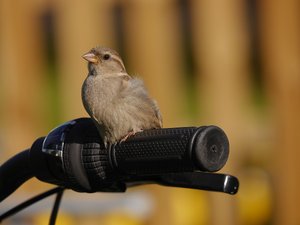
x: 118, y: 103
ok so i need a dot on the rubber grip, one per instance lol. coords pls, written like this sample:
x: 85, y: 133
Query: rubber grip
x: 88, y: 166
x: 204, y: 148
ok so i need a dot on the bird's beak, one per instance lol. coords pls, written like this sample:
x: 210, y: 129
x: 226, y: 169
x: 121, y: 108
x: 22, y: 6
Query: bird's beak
x: 90, y: 57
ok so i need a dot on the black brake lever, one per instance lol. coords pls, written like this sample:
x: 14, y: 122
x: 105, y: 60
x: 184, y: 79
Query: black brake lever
x: 197, y: 180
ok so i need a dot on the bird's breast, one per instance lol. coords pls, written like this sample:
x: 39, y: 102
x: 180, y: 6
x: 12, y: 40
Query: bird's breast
x: 98, y: 93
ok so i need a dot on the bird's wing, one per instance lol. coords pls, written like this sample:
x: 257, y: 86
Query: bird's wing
x: 138, y: 89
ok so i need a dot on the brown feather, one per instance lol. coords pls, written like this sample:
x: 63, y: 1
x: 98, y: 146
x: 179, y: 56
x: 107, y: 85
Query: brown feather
x: 118, y: 104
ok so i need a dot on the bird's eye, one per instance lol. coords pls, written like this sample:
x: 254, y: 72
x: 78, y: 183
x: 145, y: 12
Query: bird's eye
x: 106, y: 57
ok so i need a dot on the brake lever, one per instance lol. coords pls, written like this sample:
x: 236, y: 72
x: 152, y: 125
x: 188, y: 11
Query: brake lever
x: 196, y: 180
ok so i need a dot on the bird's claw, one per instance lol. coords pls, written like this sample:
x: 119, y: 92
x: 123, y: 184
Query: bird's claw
x: 131, y: 133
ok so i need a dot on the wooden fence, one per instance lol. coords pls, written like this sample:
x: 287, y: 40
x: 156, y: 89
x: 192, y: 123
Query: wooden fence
x: 235, y: 64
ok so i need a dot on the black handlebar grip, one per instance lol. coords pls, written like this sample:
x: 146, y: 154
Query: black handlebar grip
x: 77, y: 156
x: 204, y: 148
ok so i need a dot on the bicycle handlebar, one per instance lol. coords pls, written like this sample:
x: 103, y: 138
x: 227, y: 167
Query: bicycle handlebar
x: 74, y: 156
x: 13, y: 173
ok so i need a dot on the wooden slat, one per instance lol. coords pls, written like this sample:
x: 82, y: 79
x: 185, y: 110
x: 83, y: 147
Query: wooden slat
x: 22, y: 81
x: 154, y: 52
x: 80, y: 26
x: 280, y: 41
x: 221, y: 55
x: 21, y: 75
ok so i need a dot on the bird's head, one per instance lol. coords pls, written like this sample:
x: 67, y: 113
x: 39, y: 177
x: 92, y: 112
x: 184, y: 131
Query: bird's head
x: 104, y: 61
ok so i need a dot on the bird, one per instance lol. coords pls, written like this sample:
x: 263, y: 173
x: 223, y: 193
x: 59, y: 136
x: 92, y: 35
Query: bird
x: 119, y: 104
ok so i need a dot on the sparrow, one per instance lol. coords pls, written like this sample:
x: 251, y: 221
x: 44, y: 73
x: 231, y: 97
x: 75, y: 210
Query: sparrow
x: 118, y: 103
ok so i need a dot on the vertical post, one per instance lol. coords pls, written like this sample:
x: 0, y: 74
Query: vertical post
x: 154, y: 52
x: 152, y: 44
x: 221, y: 52
x: 80, y: 26
x: 21, y: 81
x: 280, y: 41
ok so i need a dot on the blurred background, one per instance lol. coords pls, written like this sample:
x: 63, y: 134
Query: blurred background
x: 233, y: 63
